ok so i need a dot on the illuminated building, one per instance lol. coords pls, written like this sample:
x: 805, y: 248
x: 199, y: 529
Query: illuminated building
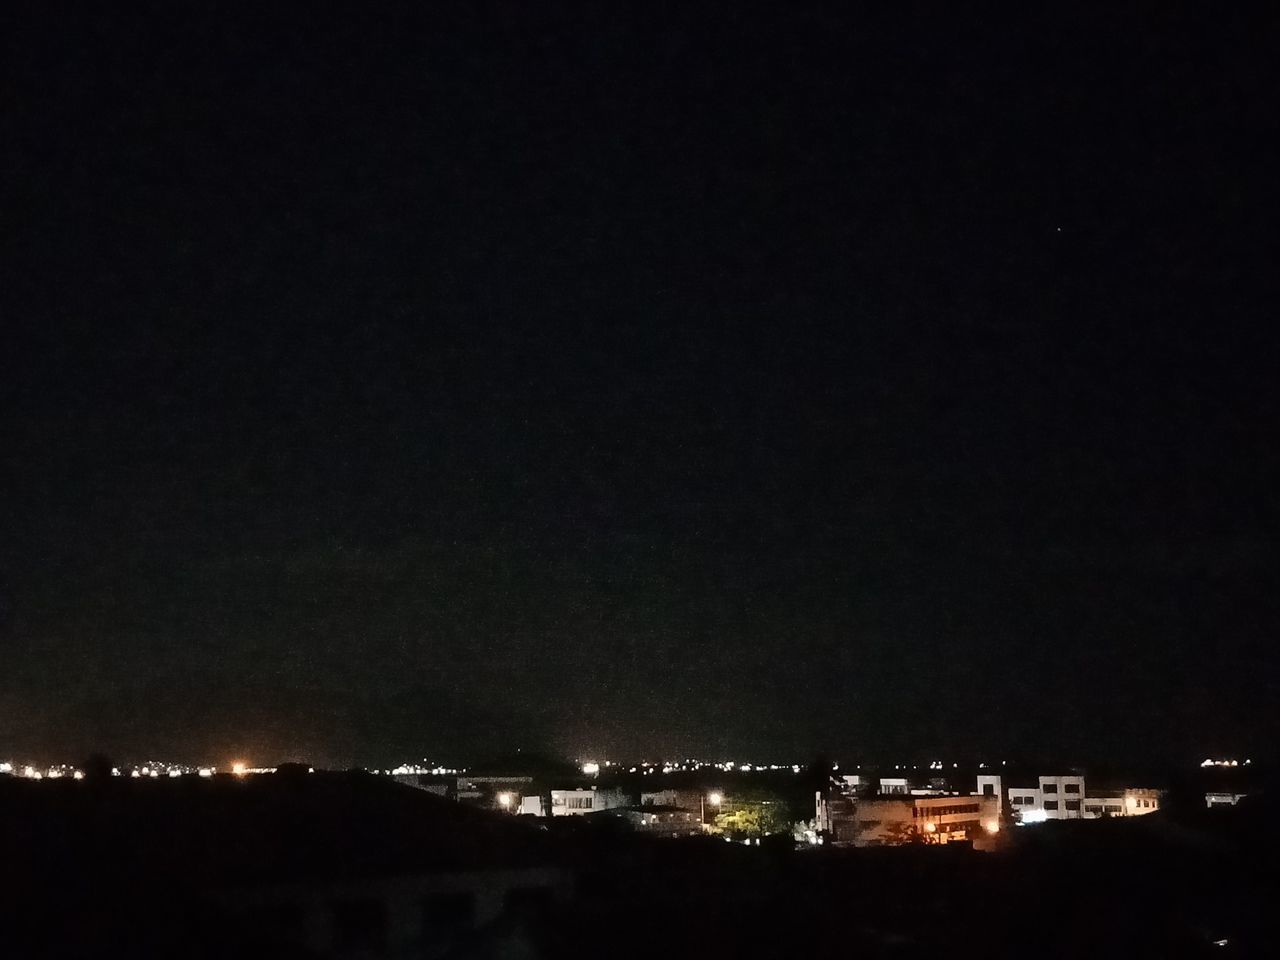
x: 1066, y: 798
x: 568, y: 803
x: 1222, y: 799
x: 937, y: 819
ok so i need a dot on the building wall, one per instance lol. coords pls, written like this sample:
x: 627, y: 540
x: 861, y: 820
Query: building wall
x: 661, y: 822
x: 931, y: 819
x: 569, y: 803
x: 1140, y: 801
x: 694, y: 800
x: 1024, y: 801
x: 990, y: 785
x: 1062, y: 797
x: 1065, y: 798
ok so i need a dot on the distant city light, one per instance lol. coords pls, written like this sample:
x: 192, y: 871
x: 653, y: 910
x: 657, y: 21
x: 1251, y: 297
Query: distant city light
x: 591, y: 768
x: 206, y: 771
x: 1034, y: 816
x: 6, y: 768
x: 239, y: 768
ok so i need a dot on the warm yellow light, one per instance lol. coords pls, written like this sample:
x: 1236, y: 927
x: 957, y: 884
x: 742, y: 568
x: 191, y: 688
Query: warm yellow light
x: 930, y: 826
x: 504, y: 800
x: 239, y: 768
x: 715, y: 799
x: 992, y: 826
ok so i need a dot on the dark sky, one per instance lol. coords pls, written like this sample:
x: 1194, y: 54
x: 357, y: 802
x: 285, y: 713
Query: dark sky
x: 381, y: 382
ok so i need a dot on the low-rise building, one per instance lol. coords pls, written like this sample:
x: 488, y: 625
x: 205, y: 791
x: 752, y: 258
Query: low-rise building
x: 1062, y: 797
x: 1222, y: 799
x: 579, y: 802
x: 1129, y: 802
x: 686, y: 799
x: 659, y: 820
x: 1066, y: 798
x: 894, y: 820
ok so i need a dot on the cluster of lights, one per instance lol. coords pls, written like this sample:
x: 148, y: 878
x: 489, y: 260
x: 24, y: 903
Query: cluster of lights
x: 1210, y: 762
x: 689, y: 766
x: 414, y: 769
x: 29, y: 772
x: 150, y: 770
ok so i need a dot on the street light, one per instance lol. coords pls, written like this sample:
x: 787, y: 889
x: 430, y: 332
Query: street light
x: 714, y: 797
x: 504, y: 801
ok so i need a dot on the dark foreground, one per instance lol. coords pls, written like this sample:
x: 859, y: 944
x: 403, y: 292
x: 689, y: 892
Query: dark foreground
x: 350, y: 866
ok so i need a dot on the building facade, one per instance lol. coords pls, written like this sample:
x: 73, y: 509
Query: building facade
x: 1067, y: 798
x: 572, y: 803
x: 943, y: 819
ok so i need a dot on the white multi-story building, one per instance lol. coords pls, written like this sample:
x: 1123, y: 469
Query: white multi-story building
x: 989, y: 786
x: 1062, y: 797
x: 1066, y: 798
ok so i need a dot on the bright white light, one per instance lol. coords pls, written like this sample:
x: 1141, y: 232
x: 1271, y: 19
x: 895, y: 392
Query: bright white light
x: 6, y: 768
x: 992, y: 826
x: 1034, y: 816
x: 175, y: 772
x: 715, y: 798
x: 205, y: 771
x: 504, y: 800
x: 78, y: 775
x: 239, y: 768
x: 930, y: 826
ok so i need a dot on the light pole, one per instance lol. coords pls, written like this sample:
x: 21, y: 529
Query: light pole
x: 714, y: 798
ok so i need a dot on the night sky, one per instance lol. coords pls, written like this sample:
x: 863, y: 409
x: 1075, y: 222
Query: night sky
x: 380, y: 382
